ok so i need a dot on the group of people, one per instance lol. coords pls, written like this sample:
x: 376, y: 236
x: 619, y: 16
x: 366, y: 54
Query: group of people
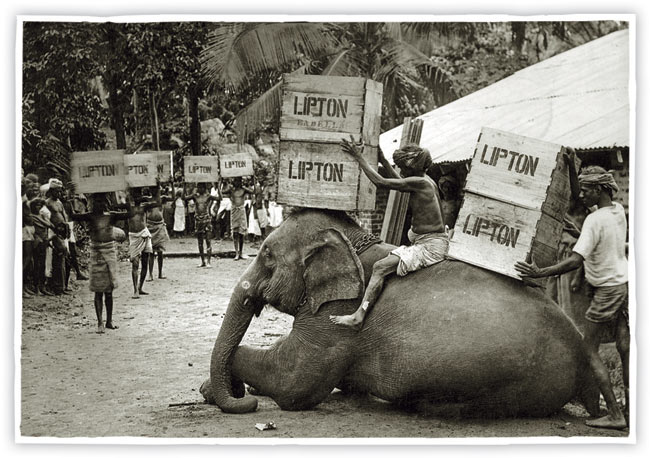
x: 233, y: 208
x: 600, y: 249
x: 48, y: 237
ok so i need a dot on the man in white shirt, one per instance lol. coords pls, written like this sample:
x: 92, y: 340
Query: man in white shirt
x: 601, y: 246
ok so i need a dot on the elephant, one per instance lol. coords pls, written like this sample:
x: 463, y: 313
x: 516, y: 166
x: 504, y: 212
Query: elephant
x: 450, y: 336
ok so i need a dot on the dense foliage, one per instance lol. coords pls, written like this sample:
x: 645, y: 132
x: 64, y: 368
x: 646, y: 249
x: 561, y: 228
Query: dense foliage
x: 105, y: 85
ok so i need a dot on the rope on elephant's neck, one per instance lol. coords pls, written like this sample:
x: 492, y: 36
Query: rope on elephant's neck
x: 362, y: 240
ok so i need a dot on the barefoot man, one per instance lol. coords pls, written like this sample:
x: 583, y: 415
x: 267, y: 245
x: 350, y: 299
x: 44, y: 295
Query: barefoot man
x: 238, y: 222
x: 601, y: 247
x: 103, y: 255
x: 203, y: 222
x: 159, y: 236
x: 139, y: 240
x: 427, y: 234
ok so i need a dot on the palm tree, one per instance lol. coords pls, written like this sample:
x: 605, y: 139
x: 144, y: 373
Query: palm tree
x: 238, y: 53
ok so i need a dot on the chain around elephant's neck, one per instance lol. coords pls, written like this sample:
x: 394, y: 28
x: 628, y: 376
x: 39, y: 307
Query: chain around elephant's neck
x: 362, y: 240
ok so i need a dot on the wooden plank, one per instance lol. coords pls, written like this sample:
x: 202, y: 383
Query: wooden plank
x: 140, y: 170
x: 236, y: 165
x: 397, y: 205
x: 327, y: 113
x: 98, y: 171
x: 493, y: 234
x: 366, y: 192
x: 372, y: 113
x: 201, y: 169
x: 339, y: 85
x: 317, y: 175
x: 316, y: 136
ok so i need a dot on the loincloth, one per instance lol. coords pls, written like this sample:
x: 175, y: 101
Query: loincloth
x: 159, y: 236
x: 103, y: 267
x: 203, y: 223
x: 139, y: 242
x: 427, y: 250
x: 607, y: 302
x: 238, y: 223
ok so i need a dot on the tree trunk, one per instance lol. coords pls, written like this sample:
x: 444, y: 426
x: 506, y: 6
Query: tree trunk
x: 518, y: 30
x: 118, y: 125
x: 195, y: 122
x: 155, y: 135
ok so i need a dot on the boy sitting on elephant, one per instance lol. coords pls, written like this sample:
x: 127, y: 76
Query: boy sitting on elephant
x: 427, y: 233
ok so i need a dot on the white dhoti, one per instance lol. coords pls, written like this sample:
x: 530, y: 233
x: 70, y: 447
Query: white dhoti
x: 426, y: 250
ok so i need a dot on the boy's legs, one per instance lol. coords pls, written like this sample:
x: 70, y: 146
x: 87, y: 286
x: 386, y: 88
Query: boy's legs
x: 241, y: 247
x: 74, y: 261
x: 199, y: 238
x: 623, y: 347
x: 98, y: 310
x: 160, y: 264
x: 135, y: 263
x: 58, y: 273
x: 143, y: 272
x: 380, y: 270
x: 591, y: 342
x: 28, y: 256
x: 235, y: 240
x: 150, y: 268
x: 108, y: 298
x: 208, y: 247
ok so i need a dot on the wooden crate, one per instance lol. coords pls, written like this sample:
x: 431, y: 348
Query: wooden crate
x: 164, y: 164
x: 236, y: 165
x: 317, y: 113
x: 516, y: 195
x: 98, y: 171
x: 140, y: 170
x: 201, y: 169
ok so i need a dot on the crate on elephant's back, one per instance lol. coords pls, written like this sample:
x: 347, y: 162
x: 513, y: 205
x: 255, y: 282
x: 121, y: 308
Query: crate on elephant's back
x: 317, y: 113
x: 516, y: 195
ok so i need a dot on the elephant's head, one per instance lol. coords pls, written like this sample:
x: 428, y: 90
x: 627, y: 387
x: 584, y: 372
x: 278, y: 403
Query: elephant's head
x: 306, y: 262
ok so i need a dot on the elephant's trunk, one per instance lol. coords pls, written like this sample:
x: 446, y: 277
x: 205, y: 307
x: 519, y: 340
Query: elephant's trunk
x: 238, y: 316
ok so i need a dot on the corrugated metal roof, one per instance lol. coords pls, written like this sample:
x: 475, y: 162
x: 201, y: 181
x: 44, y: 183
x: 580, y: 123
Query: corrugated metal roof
x: 578, y: 98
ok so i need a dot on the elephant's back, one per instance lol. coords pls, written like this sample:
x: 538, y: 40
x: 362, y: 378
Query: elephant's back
x: 454, y: 328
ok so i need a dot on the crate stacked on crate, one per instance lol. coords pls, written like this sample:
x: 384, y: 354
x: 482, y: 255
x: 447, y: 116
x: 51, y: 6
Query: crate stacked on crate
x: 317, y: 113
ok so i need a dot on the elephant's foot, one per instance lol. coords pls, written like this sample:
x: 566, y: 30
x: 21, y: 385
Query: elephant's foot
x: 607, y: 422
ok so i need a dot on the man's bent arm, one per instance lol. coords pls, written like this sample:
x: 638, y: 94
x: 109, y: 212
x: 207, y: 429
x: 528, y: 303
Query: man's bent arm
x: 389, y: 168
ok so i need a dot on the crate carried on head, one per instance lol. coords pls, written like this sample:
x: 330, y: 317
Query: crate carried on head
x: 98, y: 171
x: 516, y: 195
x: 140, y: 169
x: 317, y: 113
x: 201, y: 169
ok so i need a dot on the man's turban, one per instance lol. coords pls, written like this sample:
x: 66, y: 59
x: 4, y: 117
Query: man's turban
x: 413, y: 157
x: 592, y: 176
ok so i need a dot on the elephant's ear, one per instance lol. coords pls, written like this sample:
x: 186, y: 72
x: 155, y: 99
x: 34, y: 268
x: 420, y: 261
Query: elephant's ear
x: 333, y: 270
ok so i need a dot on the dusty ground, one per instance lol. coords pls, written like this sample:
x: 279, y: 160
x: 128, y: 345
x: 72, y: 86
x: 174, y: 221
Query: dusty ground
x: 76, y: 383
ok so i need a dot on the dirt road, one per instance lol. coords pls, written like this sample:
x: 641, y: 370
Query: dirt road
x: 77, y: 383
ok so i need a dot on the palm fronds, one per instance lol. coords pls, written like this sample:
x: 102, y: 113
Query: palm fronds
x: 236, y: 51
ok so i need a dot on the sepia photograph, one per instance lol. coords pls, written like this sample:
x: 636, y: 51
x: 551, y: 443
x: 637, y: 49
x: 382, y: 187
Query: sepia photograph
x: 269, y: 229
